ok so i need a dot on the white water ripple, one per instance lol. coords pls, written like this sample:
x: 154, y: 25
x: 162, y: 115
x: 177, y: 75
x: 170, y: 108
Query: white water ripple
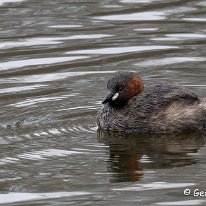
x: 20, y: 197
x: 39, y: 61
x: 120, y: 50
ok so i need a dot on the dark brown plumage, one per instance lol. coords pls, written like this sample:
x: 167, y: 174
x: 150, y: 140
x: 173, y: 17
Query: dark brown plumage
x: 153, y: 107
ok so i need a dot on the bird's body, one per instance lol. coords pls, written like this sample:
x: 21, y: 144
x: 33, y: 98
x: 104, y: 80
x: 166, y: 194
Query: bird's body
x: 159, y: 107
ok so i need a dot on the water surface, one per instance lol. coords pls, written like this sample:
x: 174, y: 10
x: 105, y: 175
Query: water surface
x: 56, y: 57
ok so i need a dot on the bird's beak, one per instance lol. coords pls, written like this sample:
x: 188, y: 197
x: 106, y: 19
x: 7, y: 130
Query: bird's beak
x: 110, y: 97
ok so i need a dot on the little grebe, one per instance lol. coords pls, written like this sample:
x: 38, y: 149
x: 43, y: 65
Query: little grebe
x: 153, y: 107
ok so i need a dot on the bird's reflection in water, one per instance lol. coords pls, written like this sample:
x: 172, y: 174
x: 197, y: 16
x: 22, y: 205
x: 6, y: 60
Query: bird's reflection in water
x: 130, y: 154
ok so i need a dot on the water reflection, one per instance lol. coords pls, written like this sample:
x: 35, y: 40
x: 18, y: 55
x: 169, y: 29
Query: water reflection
x: 131, y: 155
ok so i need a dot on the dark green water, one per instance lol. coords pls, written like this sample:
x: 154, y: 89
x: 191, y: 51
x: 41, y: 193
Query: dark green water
x: 56, y: 57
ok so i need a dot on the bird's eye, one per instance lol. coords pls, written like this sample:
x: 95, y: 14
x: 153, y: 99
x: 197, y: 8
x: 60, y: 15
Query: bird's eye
x: 120, y: 88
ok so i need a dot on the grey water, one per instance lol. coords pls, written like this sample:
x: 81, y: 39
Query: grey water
x: 55, y: 59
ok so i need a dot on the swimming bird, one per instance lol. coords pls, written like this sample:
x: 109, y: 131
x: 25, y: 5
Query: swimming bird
x: 134, y: 106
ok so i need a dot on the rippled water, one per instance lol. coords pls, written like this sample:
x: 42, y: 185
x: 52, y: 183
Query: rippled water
x: 56, y: 57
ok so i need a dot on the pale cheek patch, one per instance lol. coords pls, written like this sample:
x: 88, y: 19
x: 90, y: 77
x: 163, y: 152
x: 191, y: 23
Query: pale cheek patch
x: 115, y: 96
